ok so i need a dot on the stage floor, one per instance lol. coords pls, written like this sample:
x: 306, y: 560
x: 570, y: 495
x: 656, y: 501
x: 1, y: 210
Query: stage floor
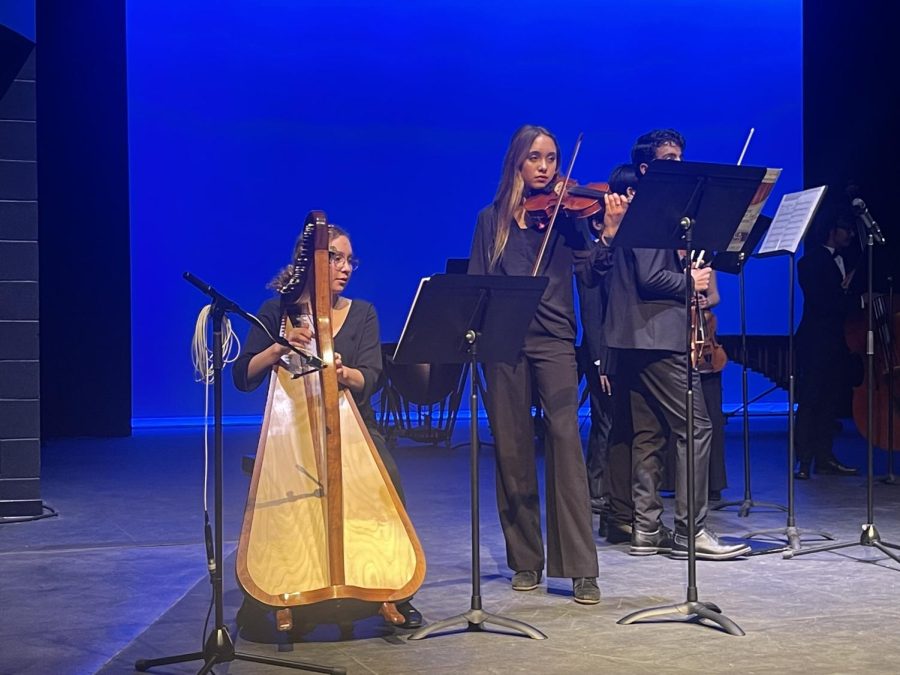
x: 120, y: 575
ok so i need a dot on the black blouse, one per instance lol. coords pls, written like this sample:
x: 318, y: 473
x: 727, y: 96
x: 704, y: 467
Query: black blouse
x: 358, y: 342
x: 568, y: 251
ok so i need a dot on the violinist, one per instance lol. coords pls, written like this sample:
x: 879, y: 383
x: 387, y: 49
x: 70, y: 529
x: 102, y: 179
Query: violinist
x: 822, y: 353
x: 645, y: 324
x: 609, y: 454
x: 357, y: 353
x: 506, y: 243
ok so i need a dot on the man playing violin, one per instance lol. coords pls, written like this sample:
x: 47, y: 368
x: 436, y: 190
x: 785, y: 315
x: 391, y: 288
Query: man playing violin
x: 645, y: 324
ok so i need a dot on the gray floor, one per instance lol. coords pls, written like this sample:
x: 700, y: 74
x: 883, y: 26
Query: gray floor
x: 120, y: 575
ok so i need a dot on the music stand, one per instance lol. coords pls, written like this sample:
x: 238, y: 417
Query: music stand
x: 471, y: 319
x: 461, y: 266
x: 693, y: 205
x: 792, y: 219
x: 733, y: 263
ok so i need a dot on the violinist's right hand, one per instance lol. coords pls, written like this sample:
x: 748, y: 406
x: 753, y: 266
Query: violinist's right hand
x: 701, y: 278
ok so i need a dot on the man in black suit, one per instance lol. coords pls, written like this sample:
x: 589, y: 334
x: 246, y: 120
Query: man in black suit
x: 645, y: 325
x: 823, y: 359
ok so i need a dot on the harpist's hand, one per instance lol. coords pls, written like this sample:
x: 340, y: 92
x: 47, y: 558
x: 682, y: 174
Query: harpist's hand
x: 339, y: 369
x: 301, y: 337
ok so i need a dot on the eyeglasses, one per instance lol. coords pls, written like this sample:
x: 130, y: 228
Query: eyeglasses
x: 338, y: 260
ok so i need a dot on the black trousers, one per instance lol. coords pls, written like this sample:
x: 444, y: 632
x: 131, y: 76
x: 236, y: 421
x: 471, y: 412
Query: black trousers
x: 718, y: 479
x: 821, y: 384
x: 598, y: 438
x: 652, y: 385
x: 548, y: 363
x: 618, y: 468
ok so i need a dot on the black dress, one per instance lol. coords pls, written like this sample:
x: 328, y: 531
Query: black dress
x: 359, y: 345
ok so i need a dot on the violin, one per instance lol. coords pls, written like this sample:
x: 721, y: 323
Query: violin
x: 708, y: 355
x: 577, y: 201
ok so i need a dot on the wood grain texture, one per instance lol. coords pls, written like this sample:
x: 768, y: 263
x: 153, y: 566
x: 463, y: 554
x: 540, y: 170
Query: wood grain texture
x: 284, y: 555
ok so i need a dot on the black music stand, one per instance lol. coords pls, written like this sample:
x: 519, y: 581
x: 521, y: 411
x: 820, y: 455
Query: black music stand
x: 869, y: 536
x: 471, y: 319
x: 794, y: 215
x: 461, y: 266
x: 219, y: 647
x: 733, y: 262
x: 690, y: 205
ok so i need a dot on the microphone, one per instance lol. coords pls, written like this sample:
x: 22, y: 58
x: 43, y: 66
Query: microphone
x: 862, y: 212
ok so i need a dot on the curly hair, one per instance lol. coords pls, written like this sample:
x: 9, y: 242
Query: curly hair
x: 285, y: 273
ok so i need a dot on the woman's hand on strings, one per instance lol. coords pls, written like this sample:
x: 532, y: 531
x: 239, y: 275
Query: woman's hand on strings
x: 615, y: 207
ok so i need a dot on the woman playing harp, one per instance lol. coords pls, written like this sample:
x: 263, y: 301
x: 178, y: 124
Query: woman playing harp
x: 358, y: 367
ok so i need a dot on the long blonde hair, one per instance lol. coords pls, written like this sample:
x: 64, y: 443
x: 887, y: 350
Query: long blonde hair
x: 511, y: 190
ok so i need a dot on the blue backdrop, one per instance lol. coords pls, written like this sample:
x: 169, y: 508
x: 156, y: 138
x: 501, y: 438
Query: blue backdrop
x: 393, y: 117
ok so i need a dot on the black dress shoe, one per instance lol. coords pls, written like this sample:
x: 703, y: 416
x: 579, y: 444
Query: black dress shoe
x: 412, y: 616
x: 585, y: 590
x: 835, y: 468
x: 526, y: 580
x: 618, y: 533
x: 650, y: 543
x: 802, y: 472
x: 708, y: 547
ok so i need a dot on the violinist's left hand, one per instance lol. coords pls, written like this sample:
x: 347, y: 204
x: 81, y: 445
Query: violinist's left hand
x: 615, y: 207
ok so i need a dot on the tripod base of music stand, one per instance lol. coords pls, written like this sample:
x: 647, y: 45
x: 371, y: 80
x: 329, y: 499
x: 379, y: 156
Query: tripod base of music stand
x: 793, y: 537
x: 693, y: 611
x: 475, y: 619
x: 869, y: 537
x: 219, y: 648
x: 746, y: 504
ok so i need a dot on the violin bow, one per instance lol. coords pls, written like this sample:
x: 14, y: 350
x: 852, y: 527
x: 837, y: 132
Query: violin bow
x: 540, y: 255
x: 746, y: 145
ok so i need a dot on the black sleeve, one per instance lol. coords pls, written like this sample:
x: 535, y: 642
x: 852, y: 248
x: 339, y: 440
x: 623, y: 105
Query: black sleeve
x: 592, y: 263
x: 654, y: 279
x: 257, y: 341
x: 590, y: 302
x: 368, y: 357
x: 482, y: 241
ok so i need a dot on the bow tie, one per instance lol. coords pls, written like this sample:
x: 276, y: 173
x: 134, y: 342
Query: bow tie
x: 836, y: 254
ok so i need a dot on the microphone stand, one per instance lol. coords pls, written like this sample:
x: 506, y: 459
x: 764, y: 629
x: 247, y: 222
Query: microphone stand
x: 869, y: 536
x: 219, y: 647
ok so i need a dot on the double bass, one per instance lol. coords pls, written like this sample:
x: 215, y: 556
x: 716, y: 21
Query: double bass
x: 886, y: 367
x: 323, y: 525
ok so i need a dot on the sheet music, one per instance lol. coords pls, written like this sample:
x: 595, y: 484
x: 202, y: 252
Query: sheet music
x: 791, y: 221
x: 753, y: 211
x: 412, y: 308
